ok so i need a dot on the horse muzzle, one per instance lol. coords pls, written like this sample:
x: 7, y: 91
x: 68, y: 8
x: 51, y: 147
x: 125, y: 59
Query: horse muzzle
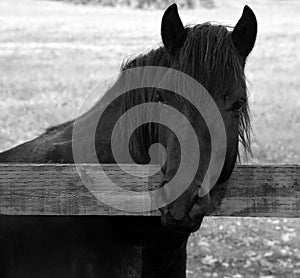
x: 179, y: 216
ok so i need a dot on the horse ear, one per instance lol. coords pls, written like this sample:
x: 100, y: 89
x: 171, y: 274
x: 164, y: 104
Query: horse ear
x: 172, y: 31
x: 244, y: 33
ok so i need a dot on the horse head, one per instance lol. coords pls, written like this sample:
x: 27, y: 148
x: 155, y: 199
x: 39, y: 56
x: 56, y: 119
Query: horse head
x: 215, y: 57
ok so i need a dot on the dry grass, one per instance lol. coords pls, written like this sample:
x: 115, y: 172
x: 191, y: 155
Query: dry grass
x: 245, y: 247
x: 52, y: 54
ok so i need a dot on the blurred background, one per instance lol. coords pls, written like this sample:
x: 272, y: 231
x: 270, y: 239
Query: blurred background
x: 52, y: 53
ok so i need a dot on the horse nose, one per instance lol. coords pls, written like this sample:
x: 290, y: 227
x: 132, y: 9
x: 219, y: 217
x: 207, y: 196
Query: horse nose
x: 180, y: 213
x: 182, y: 225
x: 177, y: 212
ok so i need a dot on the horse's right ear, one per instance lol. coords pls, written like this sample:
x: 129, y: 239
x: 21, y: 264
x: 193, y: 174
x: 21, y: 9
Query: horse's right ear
x: 244, y: 32
x: 173, y: 33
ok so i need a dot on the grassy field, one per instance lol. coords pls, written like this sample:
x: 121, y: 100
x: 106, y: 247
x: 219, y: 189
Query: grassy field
x: 52, y: 54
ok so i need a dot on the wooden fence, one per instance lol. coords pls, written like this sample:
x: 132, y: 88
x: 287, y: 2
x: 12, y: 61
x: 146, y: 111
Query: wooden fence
x: 271, y: 191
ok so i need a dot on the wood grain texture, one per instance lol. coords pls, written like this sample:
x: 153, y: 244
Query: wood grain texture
x: 271, y: 191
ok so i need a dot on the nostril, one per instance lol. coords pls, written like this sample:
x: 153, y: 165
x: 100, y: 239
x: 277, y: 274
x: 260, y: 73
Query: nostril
x: 171, y: 219
x: 165, y: 211
x: 177, y: 213
x: 168, y: 216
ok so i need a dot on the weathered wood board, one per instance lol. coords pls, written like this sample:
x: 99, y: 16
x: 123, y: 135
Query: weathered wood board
x: 271, y: 191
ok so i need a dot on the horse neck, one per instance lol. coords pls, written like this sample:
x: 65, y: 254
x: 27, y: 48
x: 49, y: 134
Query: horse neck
x: 33, y: 151
x: 55, y: 145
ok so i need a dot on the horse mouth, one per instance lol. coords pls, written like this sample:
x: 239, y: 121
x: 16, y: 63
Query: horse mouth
x: 185, y: 225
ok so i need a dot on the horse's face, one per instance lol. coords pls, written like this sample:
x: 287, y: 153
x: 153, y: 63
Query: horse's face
x: 187, y: 211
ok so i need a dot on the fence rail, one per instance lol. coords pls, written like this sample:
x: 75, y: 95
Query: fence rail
x: 33, y: 189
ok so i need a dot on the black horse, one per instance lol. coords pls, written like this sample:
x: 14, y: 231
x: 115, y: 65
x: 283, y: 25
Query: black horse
x: 101, y: 246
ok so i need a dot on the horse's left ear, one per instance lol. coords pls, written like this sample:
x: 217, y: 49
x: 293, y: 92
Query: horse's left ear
x: 244, y: 33
x: 173, y: 33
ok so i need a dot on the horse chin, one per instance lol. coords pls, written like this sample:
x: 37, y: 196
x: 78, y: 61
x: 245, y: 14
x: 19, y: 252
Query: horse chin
x: 183, y: 217
x: 186, y: 225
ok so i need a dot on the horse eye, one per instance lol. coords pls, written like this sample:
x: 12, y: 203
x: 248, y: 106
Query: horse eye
x: 238, y: 105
